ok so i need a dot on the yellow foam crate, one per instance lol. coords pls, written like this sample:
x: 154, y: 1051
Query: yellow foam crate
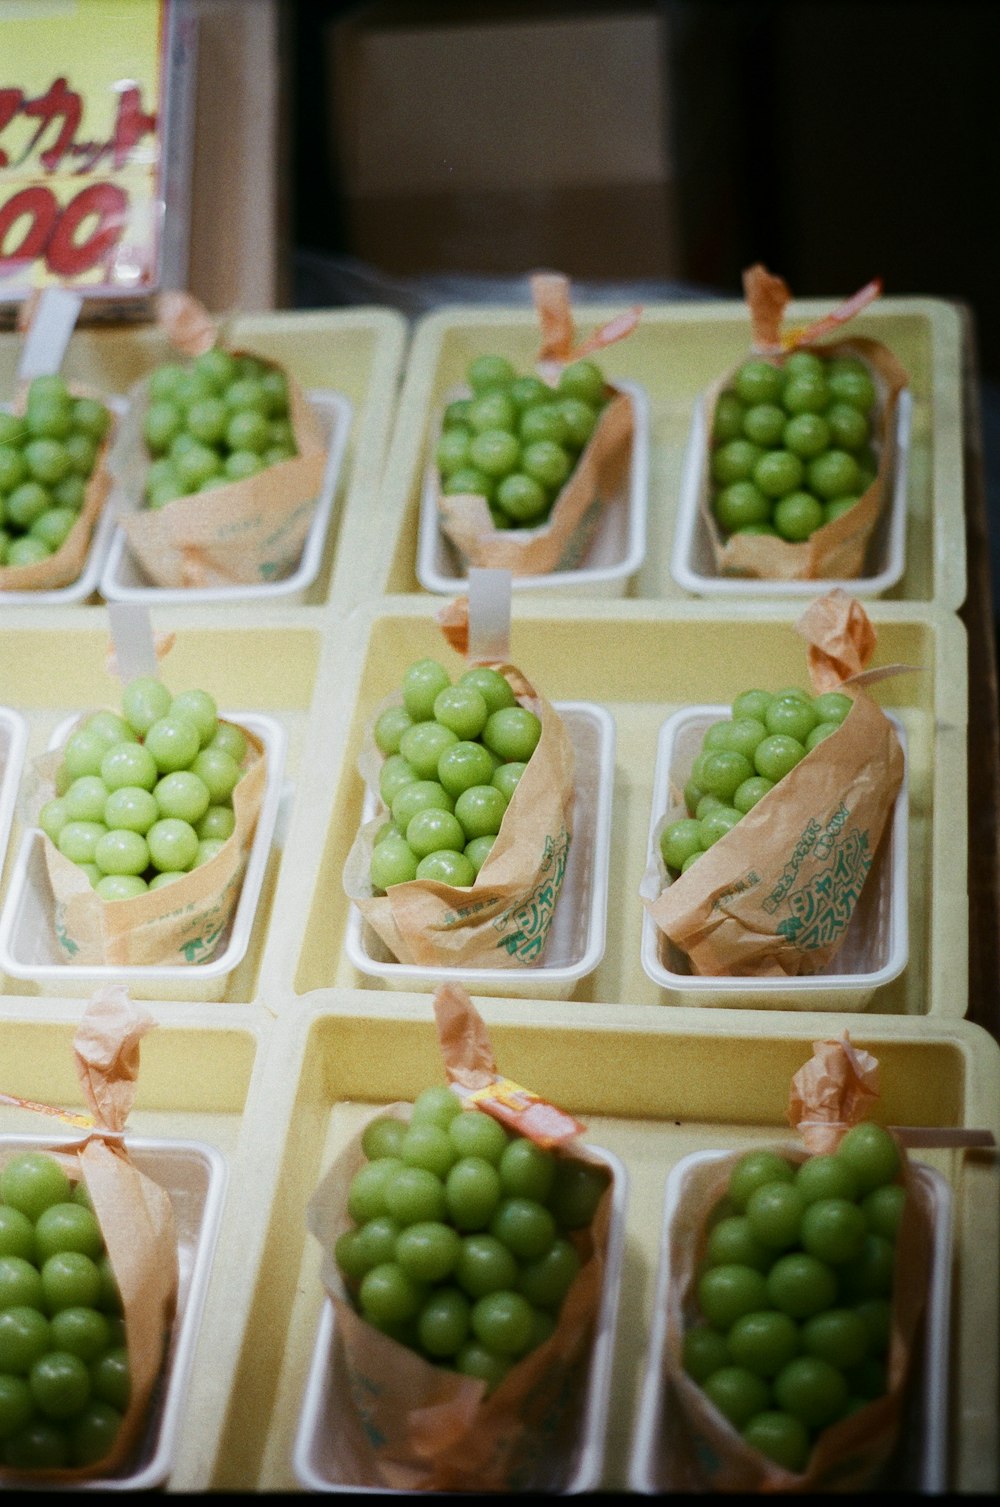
x: 355, y: 352
x: 643, y: 662
x: 677, y: 350
x: 55, y: 666
x: 704, y: 1083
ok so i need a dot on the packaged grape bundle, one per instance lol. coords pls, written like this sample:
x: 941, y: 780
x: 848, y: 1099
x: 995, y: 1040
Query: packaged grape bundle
x: 89, y: 1270
x: 759, y: 862
x: 470, y: 1243
x: 148, y: 814
x: 802, y: 444
x: 463, y: 865
x: 525, y: 464
x: 54, y: 477
x: 798, y: 1279
x: 220, y: 460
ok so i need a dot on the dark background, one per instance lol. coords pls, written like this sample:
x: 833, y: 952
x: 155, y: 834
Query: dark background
x: 832, y: 141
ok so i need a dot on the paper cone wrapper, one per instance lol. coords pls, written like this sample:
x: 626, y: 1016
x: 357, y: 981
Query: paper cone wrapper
x: 561, y: 542
x: 416, y: 1426
x: 775, y: 895
x: 65, y: 565
x: 503, y: 919
x: 836, y: 551
x: 848, y: 1455
x: 134, y: 1213
x: 247, y: 532
x: 181, y: 922
x: 829, y: 1094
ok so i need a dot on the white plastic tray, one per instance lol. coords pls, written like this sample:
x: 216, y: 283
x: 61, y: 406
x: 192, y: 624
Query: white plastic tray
x: 576, y: 939
x: 28, y: 946
x: 318, y: 1456
x: 88, y: 581
x: 615, y: 553
x: 195, y: 1176
x: 920, y: 1461
x: 123, y: 580
x: 692, y: 563
x: 875, y: 945
x: 13, y: 743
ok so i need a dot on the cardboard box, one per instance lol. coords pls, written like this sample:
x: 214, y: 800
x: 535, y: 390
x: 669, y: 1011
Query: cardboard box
x: 553, y: 129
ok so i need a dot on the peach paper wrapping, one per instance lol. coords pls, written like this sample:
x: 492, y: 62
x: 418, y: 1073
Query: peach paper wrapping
x: 247, y: 532
x: 776, y: 894
x: 561, y: 542
x: 65, y: 565
x: 179, y: 923
x: 411, y: 1425
x: 836, y: 550
x: 503, y: 919
x: 706, y: 1451
x: 134, y: 1213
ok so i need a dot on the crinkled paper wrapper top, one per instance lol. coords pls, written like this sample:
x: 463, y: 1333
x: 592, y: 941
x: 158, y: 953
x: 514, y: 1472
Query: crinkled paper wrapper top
x: 410, y: 1425
x: 776, y: 894
x: 248, y: 532
x: 829, y: 1094
x: 134, y: 1213
x: 836, y: 550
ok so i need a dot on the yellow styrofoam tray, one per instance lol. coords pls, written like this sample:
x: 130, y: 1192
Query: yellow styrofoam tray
x: 651, y: 1087
x: 55, y: 665
x: 642, y: 662
x: 356, y: 352
x: 676, y: 351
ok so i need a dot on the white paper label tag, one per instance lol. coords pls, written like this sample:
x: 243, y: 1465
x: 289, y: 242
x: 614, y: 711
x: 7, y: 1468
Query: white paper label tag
x: 489, y: 615
x: 134, y: 645
x: 49, y: 333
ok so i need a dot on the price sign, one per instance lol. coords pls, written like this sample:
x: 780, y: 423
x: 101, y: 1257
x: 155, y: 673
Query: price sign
x: 84, y: 89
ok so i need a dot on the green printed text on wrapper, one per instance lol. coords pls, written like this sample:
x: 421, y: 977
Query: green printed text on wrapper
x: 525, y: 927
x: 820, y: 908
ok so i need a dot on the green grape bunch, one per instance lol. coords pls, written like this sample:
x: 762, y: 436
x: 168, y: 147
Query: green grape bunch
x: 741, y: 759
x: 144, y: 797
x: 792, y: 1309
x: 465, y: 1237
x: 47, y: 457
x: 516, y: 440
x: 792, y: 445
x: 453, y: 756
x: 64, y: 1369
x: 214, y: 420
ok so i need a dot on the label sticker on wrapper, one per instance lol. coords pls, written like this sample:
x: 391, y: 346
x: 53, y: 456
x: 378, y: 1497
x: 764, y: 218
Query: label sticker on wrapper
x: 520, y: 1109
x: 489, y: 615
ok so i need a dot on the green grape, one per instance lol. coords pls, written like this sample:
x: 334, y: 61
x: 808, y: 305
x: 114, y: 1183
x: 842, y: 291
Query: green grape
x: 811, y: 1390
x: 503, y: 1322
x: 472, y: 1192
x: 31, y: 1181
x: 871, y: 1153
x: 733, y: 1240
x: 546, y: 1280
x: 726, y: 1293
x: 705, y: 1350
x: 387, y: 1293
x: 485, y: 1265
x: 428, y: 1251
x: 738, y: 1394
x: 784, y: 1439
x: 444, y: 1322
x: 383, y: 1137
x: 437, y: 1105
x: 763, y: 1342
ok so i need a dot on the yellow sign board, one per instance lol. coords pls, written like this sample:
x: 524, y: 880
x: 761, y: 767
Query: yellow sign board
x: 82, y: 145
